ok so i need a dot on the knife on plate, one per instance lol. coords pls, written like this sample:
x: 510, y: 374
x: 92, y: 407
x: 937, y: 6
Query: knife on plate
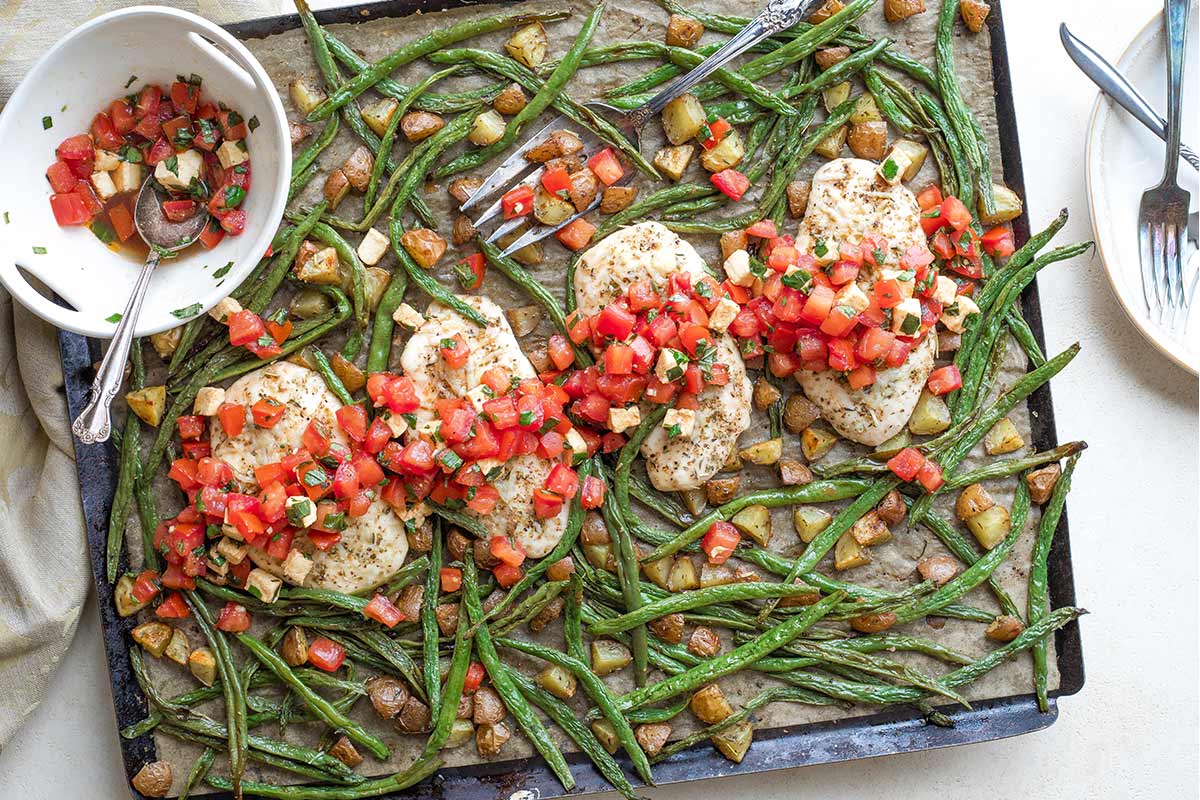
x: 1116, y: 86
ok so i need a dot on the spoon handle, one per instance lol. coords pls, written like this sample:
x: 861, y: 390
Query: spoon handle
x: 94, y: 423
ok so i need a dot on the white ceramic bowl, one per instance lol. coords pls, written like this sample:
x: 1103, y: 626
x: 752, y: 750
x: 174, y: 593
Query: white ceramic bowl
x: 71, y: 83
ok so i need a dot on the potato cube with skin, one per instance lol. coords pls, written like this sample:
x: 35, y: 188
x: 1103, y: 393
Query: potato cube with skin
x: 683, y: 31
x: 408, y: 317
x: 224, y: 309
x: 153, y: 637
x: 420, y: 125
x: 974, y: 14
x: 1002, y: 438
x: 954, y: 316
x: 830, y: 56
x: 165, y: 343
x: 297, y: 566
x: 906, y: 317
x: 930, y: 416
x: 263, y: 585
x: 322, y: 268
x: 511, y: 100
x: 372, y: 248
x: 916, y: 153
x: 230, y: 154
x: 1041, y: 482
x: 203, y: 665
x: 831, y: 146
x: 233, y: 551
x: 487, y: 128
x: 721, y: 316
x: 709, y: 705
x: 865, y: 109
x: 180, y: 170
x: 809, y: 521
x: 944, y: 290
x: 379, y: 114
x: 679, y: 422
x: 673, y: 161
x: 870, y: 530
x: 797, y: 197
x: 148, y: 403
x: 528, y: 45
x: 737, y: 269
x: 732, y: 241
x: 622, y: 419
x: 868, y: 139
x: 726, y: 155
x: 306, y: 95
x: 835, y: 95
x: 683, y: 118
x: 208, y: 400
x: 127, y: 176
x: 990, y: 527
x: 102, y: 182
x: 178, y: 648
x: 893, y: 167
x: 816, y: 442
x: 337, y: 186
x: 357, y: 168
x: 896, y: 10
x: 847, y: 553
x: 826, y: 11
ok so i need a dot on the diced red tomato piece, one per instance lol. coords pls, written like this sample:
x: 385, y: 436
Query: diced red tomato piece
x: 842, y: 272
x: 233, y: 222
x: 62, y: 179
x: 576, y: 235
x: 173, y: 607
x: 929, y: 197
x: 563, y: 481
x: 183, y: 472
x: 730, y: 183
x: 233, y: 618
x: 713, y: 133
x: 178, y: 210
x: 146, y: 586
x: 615, y: 320
x: 185, y: 96
x: 266, y: 412
x: 122, y: 221
x: 956, y: 213
x: 121, y: 114
x: 451, y: 579
x: 944, y: 380
x: 475, y: 675
x: 818, y: 305
x: 546, y: 504
x: 907, y: 463
x: 484, y: 501
x: 232, y: 417
x: 233, y: 127
x: 455, y: 351
x: 506, y: 575
x: 763, y: 229
x: 618, y: 359
x: 874, y: 344
x: 245, y: 327
x: 383, y: 611
x: 504, y: 549
x: 720, y: 542
x: 325, y: 654
x: 998, y: 242
x: 930, y: 476
x: 352, y: 420
x: 517, y: 202
x: 69, y: 209
x: 561, y: 353
x: 212, y: 235
x: 861, y: 376
x: 606, y: 166
x: 888, y: 293
x: 213, y: 472
x: 841, y: 355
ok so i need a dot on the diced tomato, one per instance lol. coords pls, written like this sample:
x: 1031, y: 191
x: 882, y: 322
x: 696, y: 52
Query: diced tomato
x: 213, y: 472
x: 557, y: 181
x: 661, y: 330
x: 907, y: 463
x: 944, y: 380
x: 606, y: 166
x: 233, y: 127
x: 615, y: 320
x: 888, y: 293
x: 244, y: 327
x: 122, y: 221
x: 720, y: 541
x: 942, y: 247
x: 841, y: 355
x: 546, y: 504
x: 352, y: 420
x: 69, y: 209
x: 122, y: 117
x: 76, y: 149
x: 998, y: 242
x: 233, y: 618
x: 173, y: 607
x: 930, y: 476
x: 690, y: 337
x: 932, y: 220
x: 279, y: 331
x: 763, y: 229
x: 470, y: 271
x: 173, y: 576
x: 196, y: 450
x: 484, y: 501
x: 178, y: 210
x: 874, y: 344
x: 642, y: 296
x: 185, y: 96
x: 563, y: 481
x: 929, y: 197
x: 233, y: 222
x: 475, y: 675
x: 504, y: 549
x: 212, y: 235
x: 898, y: 354
x: 232, y: 417
x: 956, y: 213
x: 455, y: 351
x: 861, y: 376
x: 560, y: 351
x: 183, y: 472
x: 730, y: 183
x: 618, y: 359
x: 61, y: 178
x: 517, y: 202
x: 451, y: 579
x: 266, y: 412
x: 315, y: 438
x: 842, y: 272
x: 325, y: 654
x: 593, y: 492
x: 711, y: 134
x: 506, y: 575
x: 576, y: 235
x: 818, y: 305
x: 146, y: 586
x: 383, y: 611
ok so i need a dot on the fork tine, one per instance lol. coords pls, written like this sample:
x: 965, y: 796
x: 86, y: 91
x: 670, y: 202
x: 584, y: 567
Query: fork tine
x: 507, y: 227
x: 512, y: 167
x: 1162, y: 286
x: 539, y: 232
x: 1146, y: 259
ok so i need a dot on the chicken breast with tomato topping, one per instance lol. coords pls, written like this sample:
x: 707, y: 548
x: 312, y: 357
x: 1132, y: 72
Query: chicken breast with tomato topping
x: 434, y: 379
x: 649, y: 250
x: 847, y: 200
x: 372, y: 547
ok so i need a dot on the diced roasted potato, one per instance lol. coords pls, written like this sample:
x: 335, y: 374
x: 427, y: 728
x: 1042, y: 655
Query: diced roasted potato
x: 808, y: 598
x: 446, y: 615
x: 379, y: 114
x: 974, y: 13
x: 683, y: 31
x: 511, y: 100
x: 203, y: 665
x: 873, y: 623
x: 868, y: 139
x: 847, y: 553
x: 350, y: 375
x: 551, y: 612
x: 693, y: 500
x: 683, y: 118
x: 652, y: 736
x: 306, y: 94
x: 461, y: 732
x: 148, y: 403
x: 558, y: 682
x: 489, y: 739
x: 357, y: 168
x: 896, y: 10
x: 930, y: 415
x: 617, y: 198
x: 731, y: 242
x: 606, y: 734
x: 865, y: 110
x: 414, y: 717
x: 337, y: 186
x: 528, y: 45
x: 794, y: 473
x: 659, y: 571
x: 765, y: 394
x: 972, y: 500
x: 178, y: 648
x: 763, y: 453
x: 127, y: 604
x: 524, y: 319
x: 487, y: 128
x: 153, y: 779
x: 668, y: 628
x: 704, y: 642
x: 683, y: 575
x: 990, y: 527
x: 829, y: 56
x: 1041, y: 482
x: 153, y: 636
x: 308, y: 303
x: 418, y: 125
x: 831, y: 146
x: 810, y: 521
x: 584, y: 186
x: 673, y: 161
x: 797, y: 197
x: 294, y: 647
x: 728, y: 153
x: 870, y: 530
x: 754, y: 521
x: 1004, y: 628
x: 425, y: 246
x: 799, y: 413
x: 891, y: 508
x: 550, y: 209
x: 938, y: 569
x: 914, y: 152
x: 826, y: 11
x: 835, y: 95
x: 298, y: 132
x: 323, y: 268
x: 489, y: 708
x: 1002, y: 438
x: 719, y: 491
x: 387, y: 695
x: 562, y: 569
x: 608, y: 656
x: 558, y: 144
x: 165, y: 343
x: 709, y: 705
x: 529, y: 255
x: 734, y: 742
x: 718, y: 575
x: 895, y: 444
x: 344, y: 751
x: 816, y: 442
x: 461, y: 189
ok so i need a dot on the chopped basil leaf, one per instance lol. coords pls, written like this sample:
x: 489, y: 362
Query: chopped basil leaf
x: 704, y: 289
x: 450, y: 460
x: 183, y: 138
x: 234, y: 118
x: 526, y: 418
x: 234, y: 195
x: 39, y: 251
x: 223, y: 271
x: 172, y: 165
x: 799, y: 280
x: 673, y: 431
x: 130, y: 154
x: 252, y: 123
x: 296, y: 512
x: 334, y: 522
x: 316, y: 477
x: 890, y: 168
x: 47, y: 123
x: 820, y: 249
x: 129, y: 82
x: 879, y: 256
x: 186, y: 311
x: 113, y: 318
x: 910, y: 325
x: 448, y: 344
x: 103, y: 231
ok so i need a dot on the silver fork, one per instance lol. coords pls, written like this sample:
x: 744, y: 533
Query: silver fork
x: 1162, y: 218
x: 778, y: 16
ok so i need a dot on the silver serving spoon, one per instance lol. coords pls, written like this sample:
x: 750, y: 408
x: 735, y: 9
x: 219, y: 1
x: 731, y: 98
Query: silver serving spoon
x: 165, y: 238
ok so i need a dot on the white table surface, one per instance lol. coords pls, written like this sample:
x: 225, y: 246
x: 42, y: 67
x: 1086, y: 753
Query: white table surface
x: 1132, y: 731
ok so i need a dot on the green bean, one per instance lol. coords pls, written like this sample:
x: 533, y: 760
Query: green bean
x: 965, y: 552
x: 697, y: 598
x: 234, y: 691
x: 426, y: 282
x: 298, y: 182
x: 447, y: 705
x: 504, y: 685
x: 358, y: 273
x: 130, y: 449
x: 573, y: 618
x: 379, y: 349
x: 317, y: 704
x: 1004, y: 467
x: 993, y: 288
x: 1018, y: 326
x: 963, y: 121
x: 407, y: 575
x: 557, y: 81
x: 308, y: 156
x: 1038, y: 597
x: 424, y: 46
x: 199, y: 770
x: 320, y: 362
x: 891, y: 642
x: 643, y: 716
x: 962, y: 166
x: 660, y: 503
x: 396, y: 656
x: 429, y: 626
x: 884, y: 101
x: 423, y: 157
x: 418, y: 771
x: 299, y: 768
x: 732, y: 80
x: 528, y: 608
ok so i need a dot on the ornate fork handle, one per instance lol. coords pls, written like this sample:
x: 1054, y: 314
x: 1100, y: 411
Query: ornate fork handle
x: 779, y: 15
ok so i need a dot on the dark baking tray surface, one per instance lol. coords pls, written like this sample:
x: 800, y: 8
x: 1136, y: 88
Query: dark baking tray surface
x: 897, y: 731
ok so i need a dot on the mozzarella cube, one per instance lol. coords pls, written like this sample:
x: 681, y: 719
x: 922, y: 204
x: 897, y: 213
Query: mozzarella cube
x: 217, y: 564
x: 576, y: 442
x: 296, y: 567
x: 102, y: 182
x: 234, y: 552
x: 301, y: 512
x: 372, y: 247
x: 852, y: 296
x: 825, y: 251
x: 127, y: 177
x: 737, y: 268
x: 954, y: 316
x: 208, y: 400
x: 263, y: 585
x: 106, y: 161
x: 906, y: 317
x: 905, y: 278
x: 945, y: 290
x: 408, y: 317
x: 478, y: 396
x: 670, y: 365
x: 230, y: 154
x: 396, y: 423
x: 431, y: 428
x: 723, y: 315
x: 225, y: 308
x: 186, y: 168
x: 680, y: 422
x: 622, y: 419
x: 322, y: 268
x: 894, y: 165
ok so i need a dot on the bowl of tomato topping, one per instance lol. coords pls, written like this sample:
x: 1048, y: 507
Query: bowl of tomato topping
x: 140, y: 94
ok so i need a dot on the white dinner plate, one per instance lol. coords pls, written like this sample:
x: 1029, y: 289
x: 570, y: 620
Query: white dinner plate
x: 1123, y: 160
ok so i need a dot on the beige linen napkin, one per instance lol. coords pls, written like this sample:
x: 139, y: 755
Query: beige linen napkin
x: 44, y: 575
